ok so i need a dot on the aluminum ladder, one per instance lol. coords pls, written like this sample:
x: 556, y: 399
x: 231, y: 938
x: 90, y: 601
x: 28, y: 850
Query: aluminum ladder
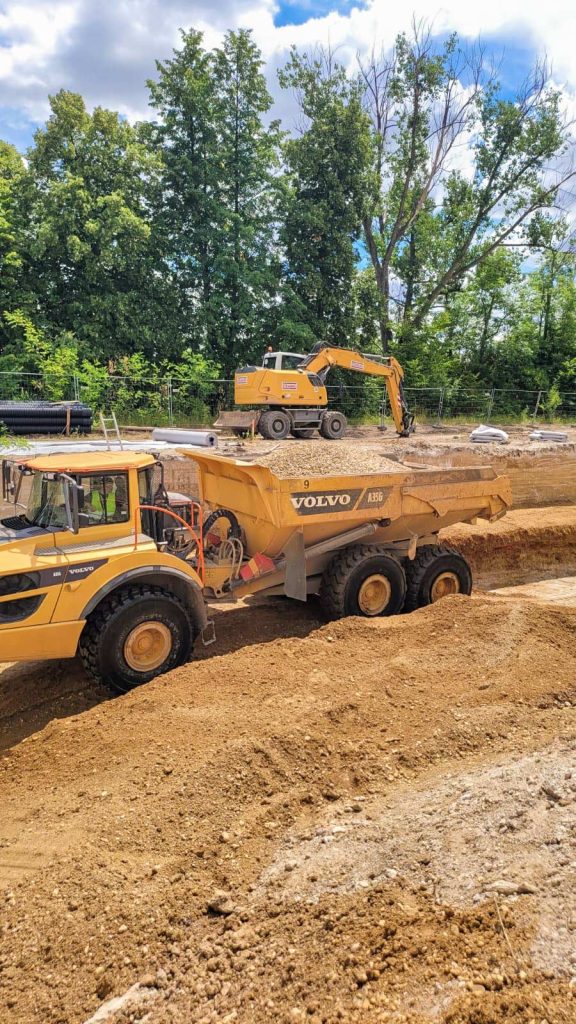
x: 111, y: 430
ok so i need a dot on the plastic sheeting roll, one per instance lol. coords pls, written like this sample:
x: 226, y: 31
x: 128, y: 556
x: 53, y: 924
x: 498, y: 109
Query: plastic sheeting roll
x: 195, y: 438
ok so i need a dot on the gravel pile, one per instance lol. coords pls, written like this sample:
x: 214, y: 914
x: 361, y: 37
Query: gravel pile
x: 327, y: 458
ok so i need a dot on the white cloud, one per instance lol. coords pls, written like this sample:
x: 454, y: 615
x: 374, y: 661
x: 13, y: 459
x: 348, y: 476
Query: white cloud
x: 106, y: 50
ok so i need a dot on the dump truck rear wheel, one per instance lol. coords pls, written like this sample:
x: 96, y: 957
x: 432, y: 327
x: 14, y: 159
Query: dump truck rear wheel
x: 274, y: 425
x: 362, y: 580
x: 436, y: 572
x: 333, y: 425
x: 134, y: 635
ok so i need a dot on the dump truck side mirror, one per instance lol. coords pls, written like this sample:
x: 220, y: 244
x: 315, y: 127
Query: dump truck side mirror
x: 7, y: 480
x: 73, y: 501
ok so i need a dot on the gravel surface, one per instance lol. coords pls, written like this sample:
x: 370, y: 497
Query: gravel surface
x: 325, y: 458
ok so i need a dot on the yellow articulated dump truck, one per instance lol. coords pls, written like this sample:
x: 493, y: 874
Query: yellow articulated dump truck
x: 98, y: 559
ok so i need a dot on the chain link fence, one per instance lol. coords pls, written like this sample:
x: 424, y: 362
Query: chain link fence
x: 171, y: 401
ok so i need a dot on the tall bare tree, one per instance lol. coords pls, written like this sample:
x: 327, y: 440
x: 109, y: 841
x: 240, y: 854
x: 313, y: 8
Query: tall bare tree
x: 457, y: 168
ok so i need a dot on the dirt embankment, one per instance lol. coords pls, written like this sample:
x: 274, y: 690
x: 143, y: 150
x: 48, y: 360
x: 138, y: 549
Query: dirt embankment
x: 386, y: 807
x: 526, y: 545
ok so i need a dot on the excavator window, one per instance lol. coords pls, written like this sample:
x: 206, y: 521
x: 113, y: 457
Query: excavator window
x: 282, y: 360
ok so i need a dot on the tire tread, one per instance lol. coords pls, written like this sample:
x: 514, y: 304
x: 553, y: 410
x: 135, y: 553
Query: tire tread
x: 416, y: 568
x: 335, y: 578
x: 89, y: 644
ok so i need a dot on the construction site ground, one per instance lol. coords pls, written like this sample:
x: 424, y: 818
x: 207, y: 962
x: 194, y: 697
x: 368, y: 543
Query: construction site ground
x: 364, y: 821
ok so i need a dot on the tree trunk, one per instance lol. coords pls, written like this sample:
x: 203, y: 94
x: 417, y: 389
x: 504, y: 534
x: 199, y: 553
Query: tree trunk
x: 382, y: 276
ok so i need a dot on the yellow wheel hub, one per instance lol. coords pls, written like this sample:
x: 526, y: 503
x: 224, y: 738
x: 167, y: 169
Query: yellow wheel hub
x: 374, y: 594
x: 444, y: 584
x: 147, y: 646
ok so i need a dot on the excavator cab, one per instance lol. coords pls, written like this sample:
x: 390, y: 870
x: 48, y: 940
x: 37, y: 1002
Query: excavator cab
x: 282, y: 360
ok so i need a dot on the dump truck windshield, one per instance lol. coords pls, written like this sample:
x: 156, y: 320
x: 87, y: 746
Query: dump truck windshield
x: 46, y: 505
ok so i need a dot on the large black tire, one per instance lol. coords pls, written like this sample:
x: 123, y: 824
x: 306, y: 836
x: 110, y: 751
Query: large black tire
x: 363, y: 580
x: 103, y: 644
x: 333, y: 425
x: 274, y: 424
x: 435, y: 572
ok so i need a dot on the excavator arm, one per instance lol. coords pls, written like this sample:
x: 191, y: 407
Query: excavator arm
x: 323, y: 357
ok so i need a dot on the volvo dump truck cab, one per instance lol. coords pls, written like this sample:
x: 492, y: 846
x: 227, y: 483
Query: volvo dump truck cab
x: 96, y: 560
x: 287, y: 394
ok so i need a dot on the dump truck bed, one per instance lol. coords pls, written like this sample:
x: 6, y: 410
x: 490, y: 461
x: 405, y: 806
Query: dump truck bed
x: 316, y: 515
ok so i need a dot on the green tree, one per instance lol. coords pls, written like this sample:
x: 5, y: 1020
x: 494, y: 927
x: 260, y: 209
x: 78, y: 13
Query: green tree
x: 91, y: 254
x: 220, y: 183
x: 427, y: 222
x: 480, y: 316
x: 426, y: 102
x: 329, y: 186
x: 12, y: 175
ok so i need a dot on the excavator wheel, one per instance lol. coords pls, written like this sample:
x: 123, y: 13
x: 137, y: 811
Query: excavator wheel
x: 304, y: 433
x: 363, y: 580
x: 435, y: 572
x: 333, y: 425
x: 274, y: 425
x: 134, y: 635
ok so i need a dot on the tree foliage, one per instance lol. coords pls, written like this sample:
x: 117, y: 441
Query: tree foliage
x: 220, y: 163
x: 415, y: 208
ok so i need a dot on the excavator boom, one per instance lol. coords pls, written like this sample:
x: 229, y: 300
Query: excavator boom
x: 323, y: 357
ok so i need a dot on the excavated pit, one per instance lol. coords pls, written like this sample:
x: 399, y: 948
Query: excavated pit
x: 526, y: 546
x: 369, y: 822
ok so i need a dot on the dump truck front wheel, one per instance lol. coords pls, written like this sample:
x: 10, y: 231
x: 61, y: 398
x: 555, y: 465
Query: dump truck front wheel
x: 362, y: 580
x: 134, y: 635
x: 274, y: 425
x: 333, y: 425
x: 436, y: 572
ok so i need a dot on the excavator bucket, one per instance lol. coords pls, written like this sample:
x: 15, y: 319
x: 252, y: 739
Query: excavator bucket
x: 238, y: 422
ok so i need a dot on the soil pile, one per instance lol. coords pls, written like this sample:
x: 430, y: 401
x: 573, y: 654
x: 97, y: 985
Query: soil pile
x: 325, y: 458
x: 197, y: 850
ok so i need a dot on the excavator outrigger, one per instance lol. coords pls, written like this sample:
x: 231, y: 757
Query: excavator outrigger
x: 294, y: 400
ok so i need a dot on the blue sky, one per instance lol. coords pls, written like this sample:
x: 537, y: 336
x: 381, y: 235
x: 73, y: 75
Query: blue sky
x: 294, y: 12
x: 106, y: 50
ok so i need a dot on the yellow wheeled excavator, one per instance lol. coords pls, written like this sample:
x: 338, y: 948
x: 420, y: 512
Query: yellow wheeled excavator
x: 290, y: 397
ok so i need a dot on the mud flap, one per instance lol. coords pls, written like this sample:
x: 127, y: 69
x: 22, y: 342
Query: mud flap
x: 295, y: 575
x: 208, y: 634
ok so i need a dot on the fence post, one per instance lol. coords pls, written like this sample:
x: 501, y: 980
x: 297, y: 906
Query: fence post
x: 170, y: 401
x: 76, y: 387
x: 536, y: 407
x: 441, y: 405
x: 490, y: 406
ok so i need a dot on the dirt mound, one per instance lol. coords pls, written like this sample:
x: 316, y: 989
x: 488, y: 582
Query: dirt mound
x: 119, y: 827
x: 324, y: 458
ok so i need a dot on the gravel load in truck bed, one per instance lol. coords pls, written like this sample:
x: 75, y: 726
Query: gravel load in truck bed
x: 324, y: 458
